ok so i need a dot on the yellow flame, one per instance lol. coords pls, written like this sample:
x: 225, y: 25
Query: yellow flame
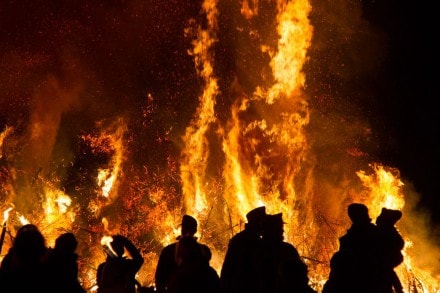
x: 105, y: 180
x: 107, y: 177
x: 110, y: 141
x: 196, y: 152
x: 265, y: 160
x: 384, y: 187
x: 56, y: 205
x: 23, y: 220
x: 295, y: 33
x: 242, y: 193
x: 247, y: 182
x: 105, y: 242
x: 6, y: 215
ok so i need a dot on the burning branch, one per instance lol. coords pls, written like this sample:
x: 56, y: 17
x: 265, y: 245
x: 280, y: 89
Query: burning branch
x: 5, y: 219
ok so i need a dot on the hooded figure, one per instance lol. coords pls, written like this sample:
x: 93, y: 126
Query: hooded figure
x: 391, y: 245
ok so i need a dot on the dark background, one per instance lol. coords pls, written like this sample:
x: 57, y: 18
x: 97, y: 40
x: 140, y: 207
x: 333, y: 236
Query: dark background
x: 407, y: 98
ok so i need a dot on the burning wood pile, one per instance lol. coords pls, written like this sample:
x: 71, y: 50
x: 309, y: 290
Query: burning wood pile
x: 211, y: 137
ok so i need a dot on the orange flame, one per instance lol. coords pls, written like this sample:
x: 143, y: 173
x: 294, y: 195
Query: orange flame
x: 196, y: 152
x: 3, y: 136
x: 113, y: 139
x: 262, y: 156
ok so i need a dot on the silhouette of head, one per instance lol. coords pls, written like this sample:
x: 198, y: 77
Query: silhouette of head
x: 388, y: 217
x: 29, y: 243
x: 358, y: 213
x: 273, y: 227
x: 256, y: 216
x: 189, y: 225
x: 66, y: 242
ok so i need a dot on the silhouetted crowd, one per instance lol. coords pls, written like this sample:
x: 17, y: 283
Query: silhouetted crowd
x: 257, y: 260
x: 367, y: 254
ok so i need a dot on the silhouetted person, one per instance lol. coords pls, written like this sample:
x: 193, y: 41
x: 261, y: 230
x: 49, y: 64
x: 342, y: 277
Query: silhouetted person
x: 283, y: 269
x: 62, y: 266
x: 193, y: 273
x: 118, y: 273
x: 22, y: 268
x: 391, y: 245
x: 167, y: 263
x: 354, y: 268
x: 241, y: 269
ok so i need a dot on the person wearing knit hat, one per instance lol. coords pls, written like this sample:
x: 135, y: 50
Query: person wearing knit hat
x: 391, y: 246
x: 388, y: 217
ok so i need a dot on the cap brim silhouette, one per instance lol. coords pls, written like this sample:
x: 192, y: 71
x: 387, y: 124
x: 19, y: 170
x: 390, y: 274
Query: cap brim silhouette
x: 256, y: 215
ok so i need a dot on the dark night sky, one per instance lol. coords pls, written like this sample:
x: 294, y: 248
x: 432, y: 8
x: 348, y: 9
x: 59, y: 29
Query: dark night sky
x: 407, y: 94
